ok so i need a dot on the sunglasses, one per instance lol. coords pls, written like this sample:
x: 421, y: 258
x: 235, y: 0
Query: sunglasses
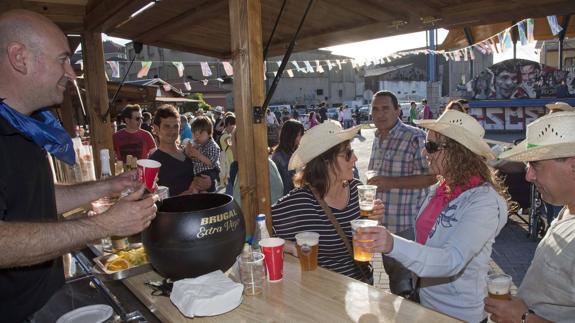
x: 432, y: 147
x: 348, y: 153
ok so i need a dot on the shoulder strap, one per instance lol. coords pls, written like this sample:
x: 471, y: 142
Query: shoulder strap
x: 333, y: 220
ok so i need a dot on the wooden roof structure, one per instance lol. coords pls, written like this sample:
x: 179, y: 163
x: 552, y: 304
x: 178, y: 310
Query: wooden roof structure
x: 203, y: 26
x: 239, y: 30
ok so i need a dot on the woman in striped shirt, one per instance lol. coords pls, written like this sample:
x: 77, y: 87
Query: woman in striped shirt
x: 327, y: 160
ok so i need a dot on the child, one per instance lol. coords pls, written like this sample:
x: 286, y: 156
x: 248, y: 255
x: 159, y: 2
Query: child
x: 204, y: 151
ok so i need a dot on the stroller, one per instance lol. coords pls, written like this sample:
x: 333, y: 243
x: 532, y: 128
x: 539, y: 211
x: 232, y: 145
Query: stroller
x: 532, y: 210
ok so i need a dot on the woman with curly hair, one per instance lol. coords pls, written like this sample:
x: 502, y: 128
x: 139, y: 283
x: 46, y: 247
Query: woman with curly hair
x: 457, y: 223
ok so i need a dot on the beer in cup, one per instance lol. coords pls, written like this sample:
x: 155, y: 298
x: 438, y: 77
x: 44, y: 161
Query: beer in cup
x: 366, y: 199
x: 307, y: 244
x: 498, y: 286
x: 358, y: 253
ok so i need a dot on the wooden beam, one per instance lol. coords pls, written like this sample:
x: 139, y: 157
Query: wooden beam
x: 110, y: 13
x: 247, y: 56
x: 97, y: 96
x: 367, y: 9
x: 414, y: 8
x: 66, y: 111
x: 203, y: 11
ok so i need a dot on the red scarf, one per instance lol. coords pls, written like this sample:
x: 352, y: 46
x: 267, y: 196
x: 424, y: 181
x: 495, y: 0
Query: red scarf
x: 437, y: 203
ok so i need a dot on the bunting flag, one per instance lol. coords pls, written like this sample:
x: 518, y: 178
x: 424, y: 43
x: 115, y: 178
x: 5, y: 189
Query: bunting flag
x: 206, y: 71
x: 318, y: 67
x: 145, y: 69
x: 297, y: 68
x: 479, y: 48
x: 471, y: 54
x: 180, y: 67
x: 166, y: 87
x: 507, y: 41
x: 279, y: 63
x: 554, y: 25
x: 308, y: 67
x: 445, y: 56
x: 205, y: 82
x: 493, y: 46
x: 521, y: 31
x: 457, y: 58
x: 465, y: 54
x: 329, y: 65
x: 188, y: 86
x: 530, y: 28
x: 228, y: 68
x: 338, y: 62
x: 500, y: 39
x: 115, y: 66
x: 290, y: 72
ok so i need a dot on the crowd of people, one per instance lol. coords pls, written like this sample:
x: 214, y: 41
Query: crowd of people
x: 439, y: 204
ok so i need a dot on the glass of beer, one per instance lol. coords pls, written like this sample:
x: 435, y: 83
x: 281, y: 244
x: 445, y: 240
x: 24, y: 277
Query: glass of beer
x: 366, y: 199
x: 499, y: 286
x: 307, y: 244
x: 358, y: 253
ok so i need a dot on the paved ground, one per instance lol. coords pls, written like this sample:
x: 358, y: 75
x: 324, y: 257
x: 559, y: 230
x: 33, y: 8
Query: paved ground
x: 512, y: 251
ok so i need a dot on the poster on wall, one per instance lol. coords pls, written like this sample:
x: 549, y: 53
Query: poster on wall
x: 494, y: 119
x: 506, y: 119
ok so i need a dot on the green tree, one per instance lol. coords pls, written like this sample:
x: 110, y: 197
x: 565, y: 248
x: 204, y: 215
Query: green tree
x: 194, y: 106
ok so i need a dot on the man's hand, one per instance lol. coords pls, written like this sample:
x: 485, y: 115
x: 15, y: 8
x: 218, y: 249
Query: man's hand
x: 130, y: 215
x: 373, y: 239
x: 123, y: 181
x: 505, y: 311
x: 378, y: 210
x: 379, y: 181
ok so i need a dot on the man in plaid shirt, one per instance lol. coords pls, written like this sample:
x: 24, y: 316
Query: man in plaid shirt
x: 401, y: 174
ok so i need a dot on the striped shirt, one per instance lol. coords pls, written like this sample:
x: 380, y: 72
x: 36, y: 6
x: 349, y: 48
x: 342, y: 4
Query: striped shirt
x: 399, y: 154
x: 299, y: 211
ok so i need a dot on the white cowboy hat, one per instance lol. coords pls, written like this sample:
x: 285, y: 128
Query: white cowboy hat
x: 548, y: 137
x: 218, y: 109
x: 318, y: 140
x: 559, y: 106
x: 462, y: 128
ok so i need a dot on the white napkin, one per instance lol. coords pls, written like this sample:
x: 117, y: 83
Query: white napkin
x: 207, y: 295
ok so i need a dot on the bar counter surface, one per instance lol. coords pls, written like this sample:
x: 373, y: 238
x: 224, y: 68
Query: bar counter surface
x: 313, y: 296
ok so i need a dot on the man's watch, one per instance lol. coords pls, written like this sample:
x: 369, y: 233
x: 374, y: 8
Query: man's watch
x: 526, y: 314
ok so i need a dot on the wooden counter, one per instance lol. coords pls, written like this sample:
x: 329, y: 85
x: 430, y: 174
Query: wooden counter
x: 316, y: 296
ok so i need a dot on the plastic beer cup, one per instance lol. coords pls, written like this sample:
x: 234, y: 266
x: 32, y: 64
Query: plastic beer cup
x: 499, y: 286
x: 358, y: 253
x: 307, y: 245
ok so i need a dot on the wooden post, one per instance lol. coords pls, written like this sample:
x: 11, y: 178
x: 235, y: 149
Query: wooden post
x: 247, y: 55
x: 97, y: 96
x: 67, y: 112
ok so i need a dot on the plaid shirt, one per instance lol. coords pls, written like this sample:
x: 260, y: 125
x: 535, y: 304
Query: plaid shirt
x: 399, y: 154
x: 212, y: 151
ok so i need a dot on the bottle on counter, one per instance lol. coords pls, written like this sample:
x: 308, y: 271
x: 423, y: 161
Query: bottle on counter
x: 261, y: 231
x: 115, y: 243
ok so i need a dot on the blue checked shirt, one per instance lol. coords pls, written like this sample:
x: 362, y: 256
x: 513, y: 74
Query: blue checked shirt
x: 399, y: 154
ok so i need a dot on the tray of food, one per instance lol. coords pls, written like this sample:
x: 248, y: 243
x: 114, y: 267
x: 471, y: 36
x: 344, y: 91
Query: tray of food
x: 122, y: 264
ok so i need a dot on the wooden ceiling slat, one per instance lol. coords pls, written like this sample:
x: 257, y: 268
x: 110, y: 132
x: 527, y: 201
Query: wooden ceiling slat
x: 205, y: 11
x: 110, y: 13
x: 363, y: 8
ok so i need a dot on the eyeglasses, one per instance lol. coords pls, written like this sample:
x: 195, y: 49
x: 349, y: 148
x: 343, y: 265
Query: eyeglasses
x: 432, y: 147
x: 347, y: 154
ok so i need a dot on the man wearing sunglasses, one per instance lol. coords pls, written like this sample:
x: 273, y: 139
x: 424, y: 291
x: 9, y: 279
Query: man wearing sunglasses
x: 401, y: 177
x: 132, y: 140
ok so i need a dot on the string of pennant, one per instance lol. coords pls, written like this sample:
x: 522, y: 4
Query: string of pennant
x: 497, y: 43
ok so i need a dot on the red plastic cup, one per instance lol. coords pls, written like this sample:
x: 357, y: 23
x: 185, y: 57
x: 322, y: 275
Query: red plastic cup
x: 148, y: 170
x: 273, y: 249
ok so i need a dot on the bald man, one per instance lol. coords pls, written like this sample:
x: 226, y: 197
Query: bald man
x: 34, y: 71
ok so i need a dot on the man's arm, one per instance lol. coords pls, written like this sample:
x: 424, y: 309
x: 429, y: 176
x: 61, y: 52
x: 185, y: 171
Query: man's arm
x: 410, y: 182
x: 29, y: 243
x: 69, y: 197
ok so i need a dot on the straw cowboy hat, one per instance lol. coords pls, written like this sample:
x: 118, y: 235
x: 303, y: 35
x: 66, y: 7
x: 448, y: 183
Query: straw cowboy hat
x: 462, y: 128
x: 559, y: 106
x: 218, y: 109
x: 548, y: 137
x: 318, y: 140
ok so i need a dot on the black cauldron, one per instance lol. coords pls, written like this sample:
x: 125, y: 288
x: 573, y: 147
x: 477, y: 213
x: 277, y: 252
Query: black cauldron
x: 193, y: 235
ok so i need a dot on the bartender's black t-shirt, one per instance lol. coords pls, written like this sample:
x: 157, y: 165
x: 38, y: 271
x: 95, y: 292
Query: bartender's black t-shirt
x: 26, y: 195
